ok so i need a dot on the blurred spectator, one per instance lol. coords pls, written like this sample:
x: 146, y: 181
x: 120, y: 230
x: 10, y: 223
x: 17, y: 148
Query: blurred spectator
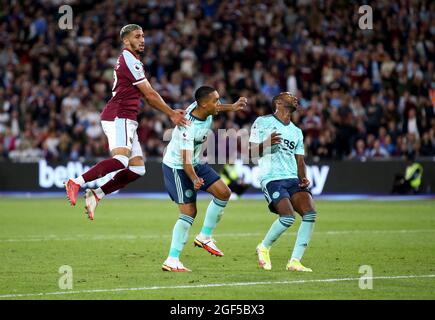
x: 378, y: 151
x: 323, y: 148
x: 374, y: 115
x: 270, y: 87
x: 411, y: 124
x: 360, y: 151
x: 311, y: 124
x: 427, y: 147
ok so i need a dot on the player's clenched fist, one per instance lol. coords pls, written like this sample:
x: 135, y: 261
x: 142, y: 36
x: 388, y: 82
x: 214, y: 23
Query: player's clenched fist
x: 304, y: 183
x: 275, y: 138
x: 198, y: 183
x: 240, y: 104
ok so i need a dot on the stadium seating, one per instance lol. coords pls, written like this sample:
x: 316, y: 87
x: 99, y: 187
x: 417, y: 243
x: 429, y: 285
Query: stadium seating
x: 364, y: 94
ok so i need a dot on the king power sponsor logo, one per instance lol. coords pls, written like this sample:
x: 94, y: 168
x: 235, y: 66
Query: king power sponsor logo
x: 55, y: 176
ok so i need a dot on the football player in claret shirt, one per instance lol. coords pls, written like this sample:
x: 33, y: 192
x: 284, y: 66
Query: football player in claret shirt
x: 279, y: 145
x: 119, y: 122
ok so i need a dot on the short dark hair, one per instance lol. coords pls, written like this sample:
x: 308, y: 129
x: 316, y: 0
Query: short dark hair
x: 127, y: 29
x: 275, y: 99
x: 203, y: 92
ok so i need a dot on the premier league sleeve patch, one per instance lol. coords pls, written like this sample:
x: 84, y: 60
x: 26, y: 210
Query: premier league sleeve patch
x: 139, y: 70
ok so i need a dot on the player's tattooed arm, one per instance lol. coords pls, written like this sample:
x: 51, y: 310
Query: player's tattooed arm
x: 258, y: 149
x: 154, y: 99
x: 190, y: 171
x: 302, y: 174
x: 238, y: 105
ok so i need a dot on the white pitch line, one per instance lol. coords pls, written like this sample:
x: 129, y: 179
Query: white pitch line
x: 211, y: 285
x: 112, y: 237
x: 223, y: 235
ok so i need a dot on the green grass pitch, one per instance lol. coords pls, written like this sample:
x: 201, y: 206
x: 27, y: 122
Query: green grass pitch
x: 119, y: 254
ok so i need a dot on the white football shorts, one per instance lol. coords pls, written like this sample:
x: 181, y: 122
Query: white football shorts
x: 121, y: 133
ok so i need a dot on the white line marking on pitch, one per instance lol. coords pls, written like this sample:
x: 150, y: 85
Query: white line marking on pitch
x: 210, y: 285
x: 154, y: 236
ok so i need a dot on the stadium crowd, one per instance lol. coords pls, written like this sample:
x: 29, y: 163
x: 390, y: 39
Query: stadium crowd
x: 363, y: 93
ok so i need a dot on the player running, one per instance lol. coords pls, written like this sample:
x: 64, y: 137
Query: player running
x: 184, y: 175
x: 118, y: 120
x: 278, y: 143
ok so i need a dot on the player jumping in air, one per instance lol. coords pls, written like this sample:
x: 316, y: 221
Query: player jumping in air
x: 118, y: 120
x: 278, y: 144
x: 184, y: 175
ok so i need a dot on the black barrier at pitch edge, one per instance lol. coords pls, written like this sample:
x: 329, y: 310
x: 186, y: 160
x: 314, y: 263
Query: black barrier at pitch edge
x: 346, y: 177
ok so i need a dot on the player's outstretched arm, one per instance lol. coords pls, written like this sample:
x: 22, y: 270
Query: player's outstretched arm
x: 238, y: 105
x: 157, y: 102
x: 257, y: 149
x: 190, y: 171
x: 303, y: 181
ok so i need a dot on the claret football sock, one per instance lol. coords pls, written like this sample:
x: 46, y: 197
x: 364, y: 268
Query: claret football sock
x: 180, y: 234
x: 304, y: 234
x: 213, y: 215
x: 104, y: 167
x: 120, y: 180
x: 277, y: 229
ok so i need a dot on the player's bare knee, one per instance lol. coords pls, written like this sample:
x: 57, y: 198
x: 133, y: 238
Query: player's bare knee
x: 121, y: 151
x: 306, y: 209
x: 188, y: 209
x: 136, y: 161
x: 189, y: 213
x: 192, y: 213
x: 225, y: 194
x: 286, y: 213
x: 284, y: 208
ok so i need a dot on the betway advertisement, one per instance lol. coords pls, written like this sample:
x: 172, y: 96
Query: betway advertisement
x: 55, y: 176
x: 332, y: 177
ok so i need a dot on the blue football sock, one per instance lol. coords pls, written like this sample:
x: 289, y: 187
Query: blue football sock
x: 214, y: 213
x: 277, y: 229
x: 180, y: 234
x: 304, y: 234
